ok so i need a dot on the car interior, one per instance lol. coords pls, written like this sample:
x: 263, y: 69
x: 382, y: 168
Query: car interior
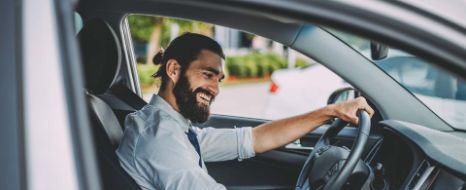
x: 100, y: 69
x: 397, y: 154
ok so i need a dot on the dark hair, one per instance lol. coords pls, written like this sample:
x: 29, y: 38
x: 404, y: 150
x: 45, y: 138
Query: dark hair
x: 184, y: 49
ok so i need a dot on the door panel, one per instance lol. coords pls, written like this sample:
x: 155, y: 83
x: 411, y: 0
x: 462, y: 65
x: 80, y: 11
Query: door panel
x: 272, y: 170
x: 12, y: 162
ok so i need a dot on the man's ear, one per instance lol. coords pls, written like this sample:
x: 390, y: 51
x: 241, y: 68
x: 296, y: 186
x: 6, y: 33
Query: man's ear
x: 173, y: 70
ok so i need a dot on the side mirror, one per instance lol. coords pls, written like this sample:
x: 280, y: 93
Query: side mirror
x: 341, y: 95
x: 378, y: 51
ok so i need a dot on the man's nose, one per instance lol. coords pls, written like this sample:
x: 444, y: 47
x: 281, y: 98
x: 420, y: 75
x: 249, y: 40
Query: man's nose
x: 214, y: 87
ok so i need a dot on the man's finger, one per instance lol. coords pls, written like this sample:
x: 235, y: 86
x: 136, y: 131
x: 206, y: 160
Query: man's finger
x: 369, y: 110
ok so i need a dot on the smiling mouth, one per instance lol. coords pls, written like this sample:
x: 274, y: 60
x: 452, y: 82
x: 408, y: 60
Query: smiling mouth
x: 204, y: 98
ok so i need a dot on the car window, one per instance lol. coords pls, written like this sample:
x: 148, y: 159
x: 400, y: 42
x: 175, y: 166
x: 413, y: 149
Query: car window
x: 263, y: 77
x: 442, y: 92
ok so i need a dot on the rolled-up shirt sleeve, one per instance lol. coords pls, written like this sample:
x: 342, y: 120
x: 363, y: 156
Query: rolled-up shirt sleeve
x: 225, y: 144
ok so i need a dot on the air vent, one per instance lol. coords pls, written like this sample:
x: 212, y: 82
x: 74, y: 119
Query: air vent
x: 423, y: 177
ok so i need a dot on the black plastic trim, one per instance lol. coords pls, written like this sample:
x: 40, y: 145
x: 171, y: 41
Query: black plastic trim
x: 226, y: 121
x: 428, y: 14
x: 445, y: 148
x: 20, y: 94
x: 12, y: 158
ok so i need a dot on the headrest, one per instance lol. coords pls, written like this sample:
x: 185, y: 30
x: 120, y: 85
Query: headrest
x: 101, y: 55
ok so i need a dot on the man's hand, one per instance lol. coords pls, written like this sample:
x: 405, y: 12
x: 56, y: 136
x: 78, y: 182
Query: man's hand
x: 347, y: 111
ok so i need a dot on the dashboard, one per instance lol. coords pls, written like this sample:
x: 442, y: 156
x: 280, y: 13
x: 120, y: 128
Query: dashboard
x: 415, y: 157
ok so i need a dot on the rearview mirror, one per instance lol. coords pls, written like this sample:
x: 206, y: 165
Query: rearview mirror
x: 341, y: 95
x: 378, y: 51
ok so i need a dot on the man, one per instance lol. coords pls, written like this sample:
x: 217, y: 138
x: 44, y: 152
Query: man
x: 161, y: 149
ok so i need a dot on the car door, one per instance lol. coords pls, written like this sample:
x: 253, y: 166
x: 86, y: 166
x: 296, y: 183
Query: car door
x: 12, y: 175
x: 45, y: 136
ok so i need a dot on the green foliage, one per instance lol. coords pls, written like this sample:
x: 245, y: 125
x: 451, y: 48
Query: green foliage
x: 251, y: 68
x: 141, y: 26
x: 141, y: 59
x: 145, y: 73
x: 235, y: 67
x: 185, y: 26
x: 254, y: 65
x: 250, y: 65
x: 301, y: 63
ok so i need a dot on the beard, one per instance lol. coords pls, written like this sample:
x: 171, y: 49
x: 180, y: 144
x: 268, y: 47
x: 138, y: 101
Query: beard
x: 186, y: 99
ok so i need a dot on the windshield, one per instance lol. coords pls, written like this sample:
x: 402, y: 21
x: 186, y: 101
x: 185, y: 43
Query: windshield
x: 440, y: 91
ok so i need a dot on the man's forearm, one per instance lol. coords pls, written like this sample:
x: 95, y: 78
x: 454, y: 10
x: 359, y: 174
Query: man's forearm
x: 278, y: 133
x: 281, y: 132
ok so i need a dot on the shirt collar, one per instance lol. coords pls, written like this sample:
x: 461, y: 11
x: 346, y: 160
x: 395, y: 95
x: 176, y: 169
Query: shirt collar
x: 160, y: 103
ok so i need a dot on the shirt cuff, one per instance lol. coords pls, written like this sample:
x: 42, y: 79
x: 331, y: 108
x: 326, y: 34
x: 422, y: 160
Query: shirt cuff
x: 244, y: 139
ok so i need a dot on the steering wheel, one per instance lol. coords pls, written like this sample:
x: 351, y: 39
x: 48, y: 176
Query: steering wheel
x: 329, y: 166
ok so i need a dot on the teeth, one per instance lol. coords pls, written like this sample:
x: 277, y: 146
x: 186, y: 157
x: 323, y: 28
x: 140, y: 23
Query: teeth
x: 205, y: 97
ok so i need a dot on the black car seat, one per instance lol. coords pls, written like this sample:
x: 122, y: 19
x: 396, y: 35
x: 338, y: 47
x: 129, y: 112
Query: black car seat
x: 101, y: 51
x: 101, y: 57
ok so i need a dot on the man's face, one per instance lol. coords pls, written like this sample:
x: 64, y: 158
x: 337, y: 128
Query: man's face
x: 198, y: 86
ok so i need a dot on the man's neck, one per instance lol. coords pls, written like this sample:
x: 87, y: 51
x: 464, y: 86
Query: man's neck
x: 169, y: 97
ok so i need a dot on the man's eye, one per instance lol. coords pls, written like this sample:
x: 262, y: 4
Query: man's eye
x: 208, y: 75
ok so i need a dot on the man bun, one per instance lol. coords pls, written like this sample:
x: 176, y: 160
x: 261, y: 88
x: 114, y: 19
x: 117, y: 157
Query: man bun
x: 158, y: 58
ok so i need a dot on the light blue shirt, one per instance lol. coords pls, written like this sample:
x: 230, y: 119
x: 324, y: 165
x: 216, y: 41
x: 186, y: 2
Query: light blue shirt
x: 156, y: 152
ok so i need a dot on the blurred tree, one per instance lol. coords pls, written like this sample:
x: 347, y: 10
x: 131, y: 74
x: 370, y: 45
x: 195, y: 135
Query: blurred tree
x: 155, y: 31
x: 146, y: 29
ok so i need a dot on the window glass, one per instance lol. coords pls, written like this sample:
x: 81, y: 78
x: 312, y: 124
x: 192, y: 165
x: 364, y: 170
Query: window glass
x: 442, y: 92
x: 264, y: 79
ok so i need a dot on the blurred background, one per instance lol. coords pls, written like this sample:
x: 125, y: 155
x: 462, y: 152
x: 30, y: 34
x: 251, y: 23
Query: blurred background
x: 250, y: 61
x: 267, y: 80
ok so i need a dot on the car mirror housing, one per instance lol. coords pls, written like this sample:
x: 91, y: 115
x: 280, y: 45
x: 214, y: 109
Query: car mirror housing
x: 378, y: 51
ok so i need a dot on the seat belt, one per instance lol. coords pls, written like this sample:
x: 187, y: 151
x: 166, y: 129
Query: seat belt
x: 128, y: 96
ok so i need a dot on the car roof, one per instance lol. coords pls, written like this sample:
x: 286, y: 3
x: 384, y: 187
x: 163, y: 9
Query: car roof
x: 456, y: 13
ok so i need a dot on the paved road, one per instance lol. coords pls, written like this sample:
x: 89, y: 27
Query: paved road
x: 248, y: 100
